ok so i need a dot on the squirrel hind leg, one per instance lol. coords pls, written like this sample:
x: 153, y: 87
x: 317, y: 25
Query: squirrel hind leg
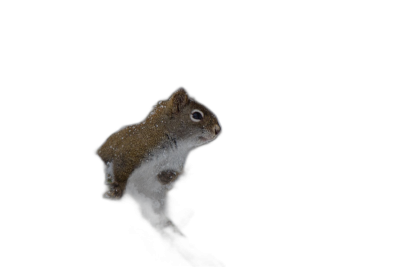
x: 115, y: 191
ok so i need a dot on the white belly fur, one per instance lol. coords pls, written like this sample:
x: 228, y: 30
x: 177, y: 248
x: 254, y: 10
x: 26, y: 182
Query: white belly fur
x: 143, y: 184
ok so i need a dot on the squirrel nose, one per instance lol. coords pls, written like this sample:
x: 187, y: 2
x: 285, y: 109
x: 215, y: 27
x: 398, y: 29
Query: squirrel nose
x: 217, y: 129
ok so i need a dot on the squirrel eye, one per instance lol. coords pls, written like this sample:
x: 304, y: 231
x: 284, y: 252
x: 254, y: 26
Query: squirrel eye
x: 196, y: 115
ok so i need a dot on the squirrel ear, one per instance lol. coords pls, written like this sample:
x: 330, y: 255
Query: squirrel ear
x: 178, y: 100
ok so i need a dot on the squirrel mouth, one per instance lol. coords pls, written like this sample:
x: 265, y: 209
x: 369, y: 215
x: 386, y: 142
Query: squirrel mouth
x: 203, y: 138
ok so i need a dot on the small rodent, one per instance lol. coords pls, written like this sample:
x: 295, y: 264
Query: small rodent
x: 146, y: 158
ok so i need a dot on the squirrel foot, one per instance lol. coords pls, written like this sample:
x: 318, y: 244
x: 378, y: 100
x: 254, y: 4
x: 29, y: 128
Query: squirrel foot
x: 113, y: 193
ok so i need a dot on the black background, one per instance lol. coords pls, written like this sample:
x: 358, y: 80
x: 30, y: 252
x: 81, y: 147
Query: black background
x: 262, y: 191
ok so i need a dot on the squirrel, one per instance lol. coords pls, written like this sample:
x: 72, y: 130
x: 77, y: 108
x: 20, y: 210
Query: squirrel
x: 147, y: 158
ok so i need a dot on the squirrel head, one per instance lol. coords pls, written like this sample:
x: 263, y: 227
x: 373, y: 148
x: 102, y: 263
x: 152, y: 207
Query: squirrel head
x: 190, y: 120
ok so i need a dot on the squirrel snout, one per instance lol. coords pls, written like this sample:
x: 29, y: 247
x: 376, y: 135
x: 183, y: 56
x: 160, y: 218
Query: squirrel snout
x: 217, y: 129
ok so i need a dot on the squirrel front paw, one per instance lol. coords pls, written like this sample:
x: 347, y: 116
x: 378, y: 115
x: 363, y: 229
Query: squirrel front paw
x: 113, y: 193
x: 168, y: 176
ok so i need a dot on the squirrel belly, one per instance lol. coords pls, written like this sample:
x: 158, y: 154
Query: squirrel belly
x: 146, y: 187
